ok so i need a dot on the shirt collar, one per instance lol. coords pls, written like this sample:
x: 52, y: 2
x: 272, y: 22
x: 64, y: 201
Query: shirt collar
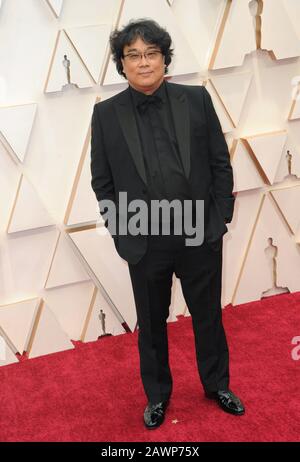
x: 138, y: 96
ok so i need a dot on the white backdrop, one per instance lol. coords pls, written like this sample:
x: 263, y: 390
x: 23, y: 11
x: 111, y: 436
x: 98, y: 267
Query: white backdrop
x: 56, y: 271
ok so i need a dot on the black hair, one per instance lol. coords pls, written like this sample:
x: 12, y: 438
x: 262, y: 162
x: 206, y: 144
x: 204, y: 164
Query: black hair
x: 149, y: 31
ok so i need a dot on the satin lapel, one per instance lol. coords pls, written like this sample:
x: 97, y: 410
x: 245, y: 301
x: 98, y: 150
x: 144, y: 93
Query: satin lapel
x: 128, y: 124
x: 180, y: 111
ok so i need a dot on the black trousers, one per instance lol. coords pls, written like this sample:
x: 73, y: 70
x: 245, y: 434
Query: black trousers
x: 199, y: 269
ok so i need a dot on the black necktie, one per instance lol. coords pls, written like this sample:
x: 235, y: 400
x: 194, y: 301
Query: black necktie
x: 146, y: 100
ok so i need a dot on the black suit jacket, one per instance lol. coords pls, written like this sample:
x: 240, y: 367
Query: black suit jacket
x: 117, y: 160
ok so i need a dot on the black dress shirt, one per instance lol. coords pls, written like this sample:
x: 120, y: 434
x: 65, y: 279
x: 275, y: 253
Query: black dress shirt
x: 164, y: 170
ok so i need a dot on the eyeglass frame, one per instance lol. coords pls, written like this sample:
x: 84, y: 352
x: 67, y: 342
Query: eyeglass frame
x: 145, y: 53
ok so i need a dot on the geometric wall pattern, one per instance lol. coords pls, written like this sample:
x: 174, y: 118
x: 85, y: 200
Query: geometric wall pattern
x: 286, y: 198
x: 109, y: 269
x: 55, y: 6
x: 48, y: 335
x: 61, y: 279
x: 267, y: 149
x: 253, y: 24
x: 230, y: 102
x: 184, y: 61
x: 67, y: 69
x: 224, y: 115
x: 285, y: 43
x: 234, y: 23
x: 65, y: 267
x: 82, y: 193
x: 78, y: 57
x: 282, y: 253
x: 92, y: 56
x: 295, y: 107
x: 16, y: 123
x: 23, y: 218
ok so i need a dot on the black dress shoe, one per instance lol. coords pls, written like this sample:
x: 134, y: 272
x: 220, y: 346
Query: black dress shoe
x: 227, y: 401
x: 154, y: 414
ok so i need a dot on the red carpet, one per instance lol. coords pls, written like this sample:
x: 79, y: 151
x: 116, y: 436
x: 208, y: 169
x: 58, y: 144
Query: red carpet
x: 94, y: 393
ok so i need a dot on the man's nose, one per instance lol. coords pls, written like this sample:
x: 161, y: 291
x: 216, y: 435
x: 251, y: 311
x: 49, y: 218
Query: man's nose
x: 144, y: 60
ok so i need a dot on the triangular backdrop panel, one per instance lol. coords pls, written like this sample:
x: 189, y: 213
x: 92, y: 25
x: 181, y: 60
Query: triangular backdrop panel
x: 9, y: 179
x: 65, y: 266
x: 233, y: 90
x: 25, y: 259
x: 91, y: 42
x: 268, y: 149
x: 224, y: 118
x: 290, y: 155
x: 246, y: 209
x: 55, y: 6
x: 295, y: 108
x: 236, y: 36
x: 49, y: 336
x: 16, y: 125
x: 99, y: 323
x: 16, y: 320
x: 70, y: 305
x: 28, y: 211
x: 246, y: 175
x: 110, y: 269
x: 83, y: 205
x: 256, y: 279
x: 288, y: 200
x: 6, y: 354
x: 278, y: 33
x: 57, y: 79
x: 183, y: 62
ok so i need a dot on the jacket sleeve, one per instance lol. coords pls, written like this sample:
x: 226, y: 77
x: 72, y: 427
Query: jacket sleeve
x: 102, y: 180
x: 219, y: 160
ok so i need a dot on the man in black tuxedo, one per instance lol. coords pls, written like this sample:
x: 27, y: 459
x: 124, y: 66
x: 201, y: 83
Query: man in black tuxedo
x: 159, y: 140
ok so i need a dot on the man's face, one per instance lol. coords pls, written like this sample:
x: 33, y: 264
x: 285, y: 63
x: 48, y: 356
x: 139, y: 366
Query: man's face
x: 144, y: 75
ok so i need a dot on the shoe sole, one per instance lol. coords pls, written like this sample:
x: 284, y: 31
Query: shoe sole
x: 152, y: 428
x: 231, y: 412
x: 155, y: 426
